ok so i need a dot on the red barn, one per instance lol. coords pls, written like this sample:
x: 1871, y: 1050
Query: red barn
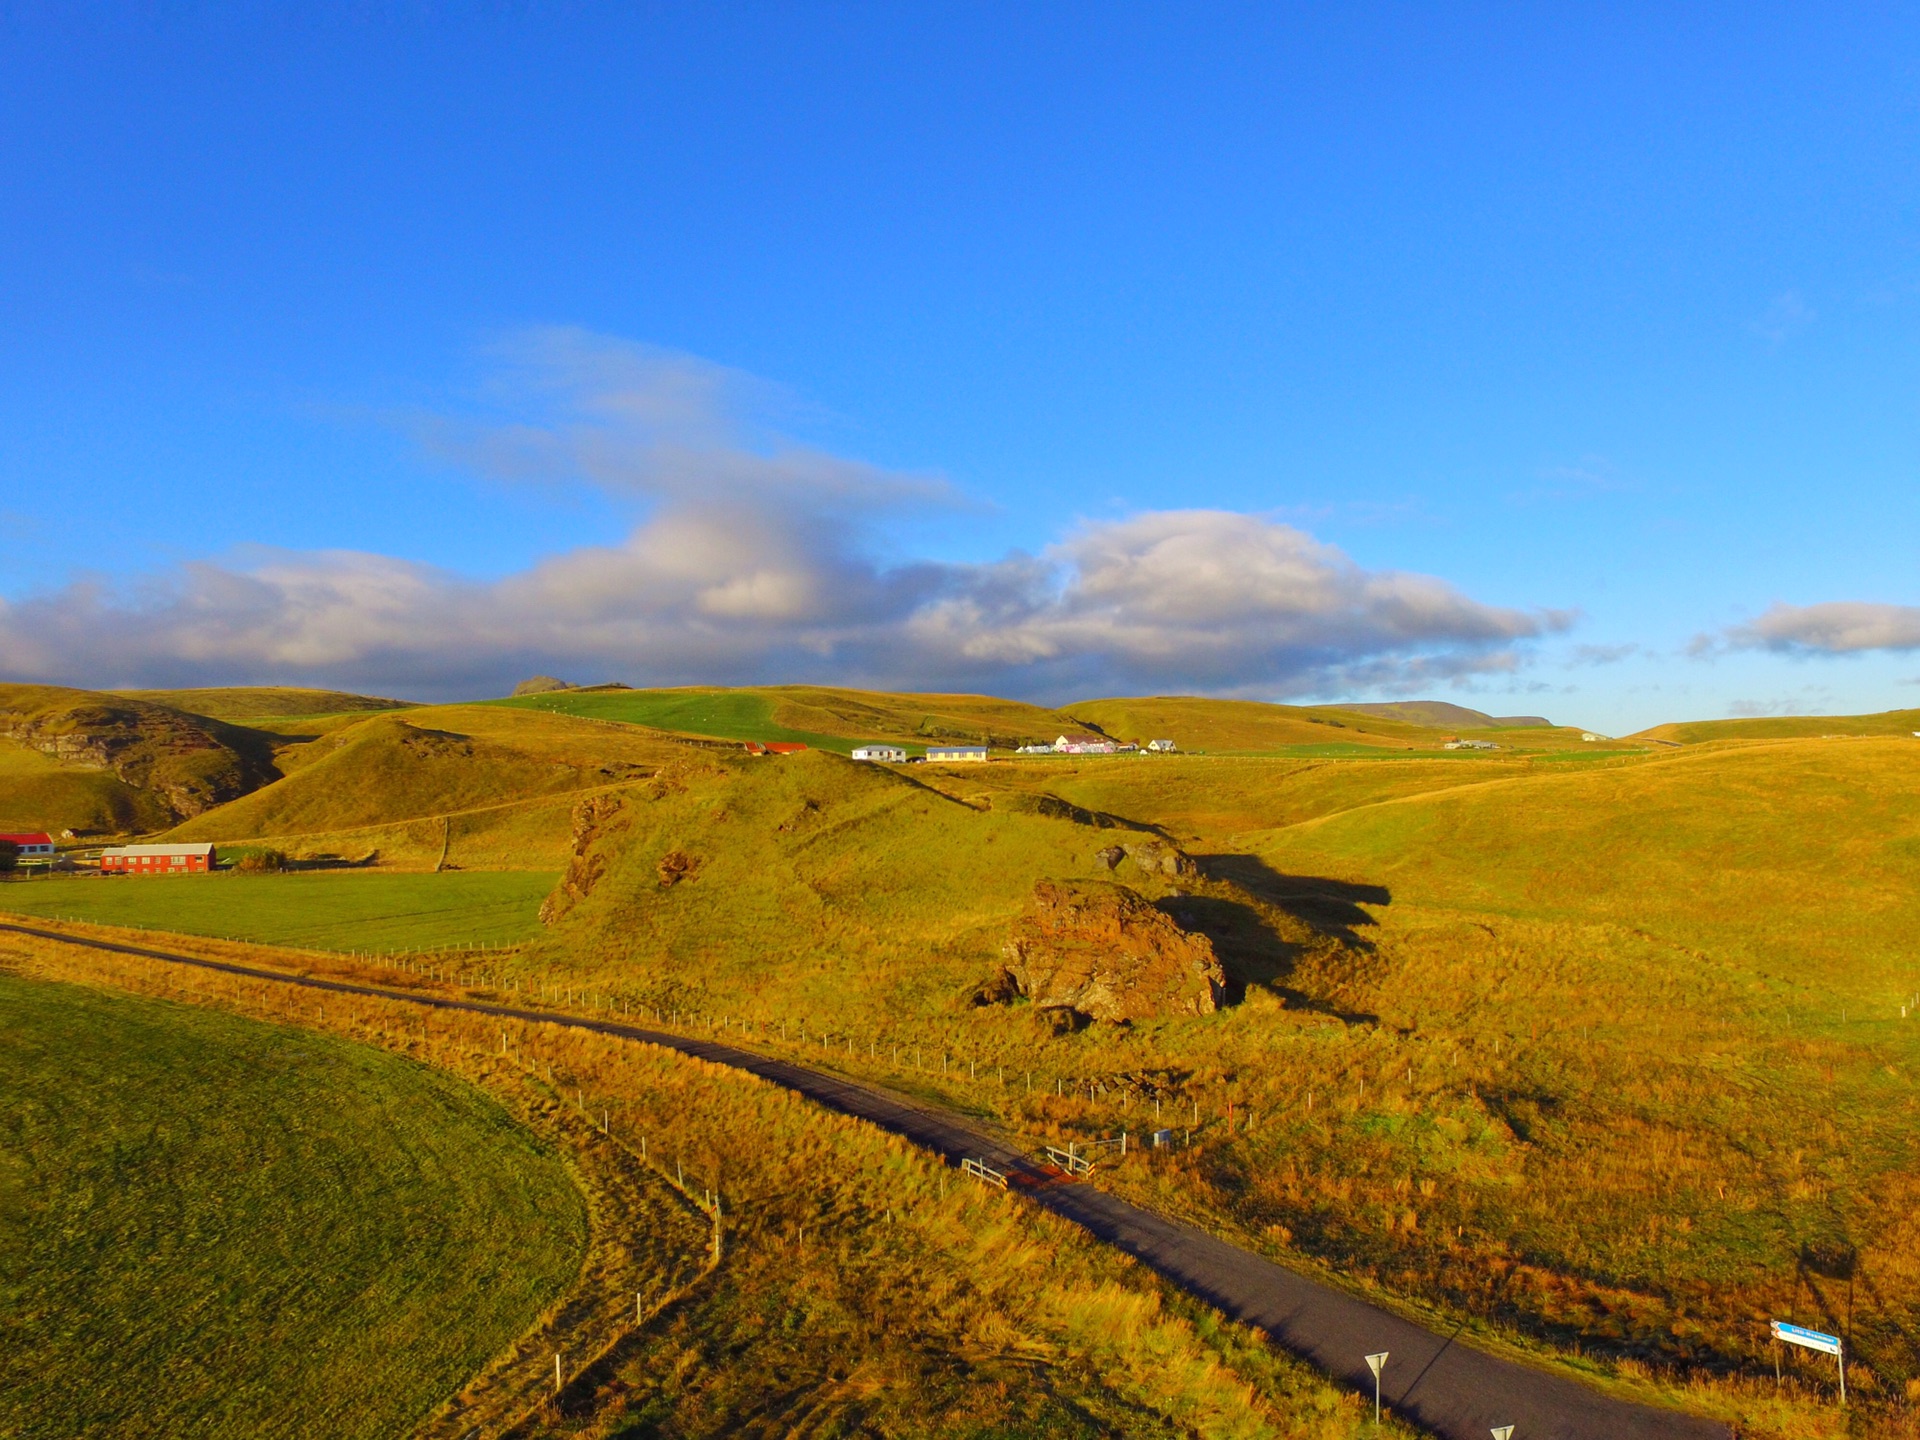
x: 157, y: 860
x: 36, y: 846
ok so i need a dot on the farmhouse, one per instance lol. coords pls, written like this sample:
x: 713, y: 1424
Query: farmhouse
x: 957, y: 752
x: 883, y: 754
x: 1162, y: 747
x: 1067, y: 745
x: 31, y: 846
x: 156, y: 860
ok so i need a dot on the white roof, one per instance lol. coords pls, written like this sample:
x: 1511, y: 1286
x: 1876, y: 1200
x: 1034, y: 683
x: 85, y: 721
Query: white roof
x: 134, y: 851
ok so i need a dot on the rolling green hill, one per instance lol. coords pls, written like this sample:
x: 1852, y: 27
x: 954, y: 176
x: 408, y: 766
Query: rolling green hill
x: 246, y: 704
x: 1786, y: 727
x: 431, y: 762
x: 824, y: 718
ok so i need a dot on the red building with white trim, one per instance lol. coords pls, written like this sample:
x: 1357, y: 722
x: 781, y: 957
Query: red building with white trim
x: 157, y: 860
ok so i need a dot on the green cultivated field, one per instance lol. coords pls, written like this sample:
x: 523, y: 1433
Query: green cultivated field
x: 328, y: 910
x: 212, y: 1227
x: 721, y: 714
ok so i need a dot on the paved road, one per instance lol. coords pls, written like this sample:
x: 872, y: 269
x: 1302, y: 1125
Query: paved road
x: 1442, y: 1385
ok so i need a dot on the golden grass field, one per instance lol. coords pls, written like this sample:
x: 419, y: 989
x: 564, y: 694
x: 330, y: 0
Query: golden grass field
x: 859, y: 1288
x: 1595, y: 1048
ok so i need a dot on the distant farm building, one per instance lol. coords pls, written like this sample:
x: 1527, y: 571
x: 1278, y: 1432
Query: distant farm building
x: 1162, y: 747
x: 34, y: 846
x: 956, y: 752
x: 157, y: 860
x: 1070, y: 745
x: 774, y: 747
x: 1469, y: 745
x: 1590, y: 737
x: 882, y: 754
x: 1034, y: 750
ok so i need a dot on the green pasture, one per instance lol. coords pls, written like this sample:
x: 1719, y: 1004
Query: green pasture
x: 323, y: 910
x: 212, y: 1227
x: 719, y: 714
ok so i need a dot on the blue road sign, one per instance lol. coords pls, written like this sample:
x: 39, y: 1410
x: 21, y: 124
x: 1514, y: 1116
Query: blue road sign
x: 1808, y: 1339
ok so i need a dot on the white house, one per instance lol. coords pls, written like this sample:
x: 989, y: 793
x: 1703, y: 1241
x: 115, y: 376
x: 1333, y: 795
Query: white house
x: 885, y: 754
x: 1162, y: 747
x: 1067, y: 745
x: 956, y: 752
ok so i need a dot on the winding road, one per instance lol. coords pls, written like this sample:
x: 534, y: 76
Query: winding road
x: 1437, y: 1382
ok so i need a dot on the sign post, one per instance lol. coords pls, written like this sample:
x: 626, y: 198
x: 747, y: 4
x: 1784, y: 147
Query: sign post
x: 1502, y: 1432
x: 1377, y: 1363
x: 1815, y: 1340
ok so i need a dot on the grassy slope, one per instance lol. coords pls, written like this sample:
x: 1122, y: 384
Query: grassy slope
x: 429, y: 763
x: 242, y: 703
x: 1681, y: 983
x: 338, y: 910
x: 1787, y: 727
x: 826, y: 719
x: 150, y: 762
x: 37, y: 792
x: 1575, y: 1070
x: 218, y: 1228
x: 813, y: 869
x: 1250, y: 726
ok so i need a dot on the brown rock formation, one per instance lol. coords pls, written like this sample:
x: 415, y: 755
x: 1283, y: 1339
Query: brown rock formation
x: 590, y: 817
x: 1102, y: 950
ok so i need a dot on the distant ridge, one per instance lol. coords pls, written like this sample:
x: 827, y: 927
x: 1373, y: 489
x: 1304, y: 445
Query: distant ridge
x: 1441, y: 713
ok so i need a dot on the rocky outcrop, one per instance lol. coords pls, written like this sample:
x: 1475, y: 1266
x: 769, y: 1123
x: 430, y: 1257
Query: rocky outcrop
x: 1103, y: 951
x: 591, y: 817
x: 188, y: 762
x: 1156, y: 857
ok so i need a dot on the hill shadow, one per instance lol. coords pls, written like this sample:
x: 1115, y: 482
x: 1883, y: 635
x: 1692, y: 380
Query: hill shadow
x: 1329, y: 907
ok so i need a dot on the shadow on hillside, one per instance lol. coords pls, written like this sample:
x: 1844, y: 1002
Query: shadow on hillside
x: 1252, y: 952
x: 1329, y: 907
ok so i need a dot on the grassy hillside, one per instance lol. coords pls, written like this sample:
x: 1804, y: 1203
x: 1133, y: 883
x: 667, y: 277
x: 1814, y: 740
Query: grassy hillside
x: 1251, y: 726
x: 1441, y: 714
x: 1556, y: 1050
x: 1786, y: 727
x: 164, y: 764
x: 427, y: 763
x: 219, y: 1228
x: 337, y: 910
x: 38, y: 792
x: 827, y: 719
x: 245, y: 704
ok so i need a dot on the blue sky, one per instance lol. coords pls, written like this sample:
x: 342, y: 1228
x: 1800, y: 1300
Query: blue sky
x: 1546, y: 359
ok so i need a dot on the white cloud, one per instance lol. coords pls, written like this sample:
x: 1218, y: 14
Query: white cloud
x: 759, y: 560
x: 1837, y: 627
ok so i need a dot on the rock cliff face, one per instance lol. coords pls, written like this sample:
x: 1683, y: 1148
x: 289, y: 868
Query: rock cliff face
x: 1101, y: 950
x: 591, y: 817
x: 189, y: 762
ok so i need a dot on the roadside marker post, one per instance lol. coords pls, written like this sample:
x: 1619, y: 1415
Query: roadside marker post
x: 1377, y: 1363
x: 1815, y: 1340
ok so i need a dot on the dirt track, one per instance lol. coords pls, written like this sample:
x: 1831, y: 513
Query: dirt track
x: 1449, y: 1388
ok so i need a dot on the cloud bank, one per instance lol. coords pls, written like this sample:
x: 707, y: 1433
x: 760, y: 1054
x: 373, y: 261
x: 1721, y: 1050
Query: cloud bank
x: 1838, y: 627
x: 762, y: 559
